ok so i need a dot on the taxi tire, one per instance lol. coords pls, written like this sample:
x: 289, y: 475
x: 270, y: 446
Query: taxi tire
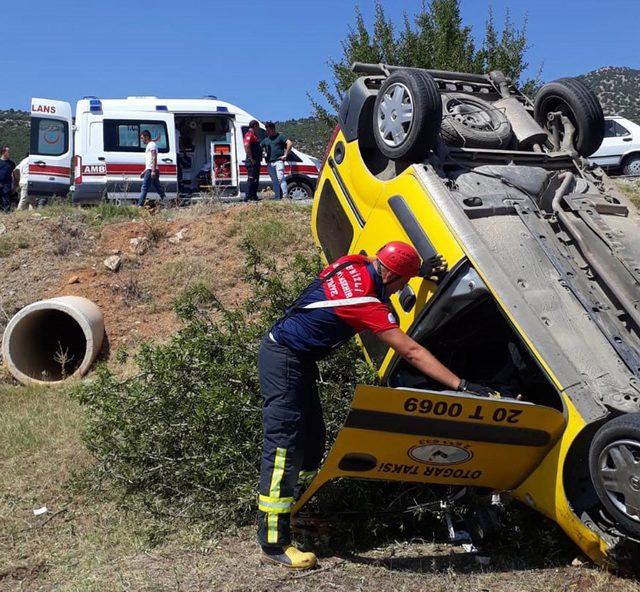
x: 623, y: 427
x: 580, y: 104
x: 424, y: 128
x: 456, y: 132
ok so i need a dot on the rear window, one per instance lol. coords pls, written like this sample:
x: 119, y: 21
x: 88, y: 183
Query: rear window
x: 335, y: 232
x: 49, y: 137
x: 124, y: 135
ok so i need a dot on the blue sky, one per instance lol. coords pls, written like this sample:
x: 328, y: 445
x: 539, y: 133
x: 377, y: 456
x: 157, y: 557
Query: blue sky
x: 263, y: 56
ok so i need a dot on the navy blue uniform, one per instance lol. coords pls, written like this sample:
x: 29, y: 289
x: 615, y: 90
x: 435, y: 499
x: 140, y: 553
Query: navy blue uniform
x: 347, y: 297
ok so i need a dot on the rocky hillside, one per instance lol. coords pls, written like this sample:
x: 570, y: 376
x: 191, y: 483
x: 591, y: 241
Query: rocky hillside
x: 14, y: 132
x: 618, y: 90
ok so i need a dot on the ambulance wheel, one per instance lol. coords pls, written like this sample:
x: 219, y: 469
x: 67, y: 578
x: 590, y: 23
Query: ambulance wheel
x: 614, y: 463
x: 299, y: 190
x: 407, y: 115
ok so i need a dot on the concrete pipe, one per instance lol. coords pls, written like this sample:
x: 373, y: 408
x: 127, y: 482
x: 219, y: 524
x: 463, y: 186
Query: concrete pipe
x: 53, y: 340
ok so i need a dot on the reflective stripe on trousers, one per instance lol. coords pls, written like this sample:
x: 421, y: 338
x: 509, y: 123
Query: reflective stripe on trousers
x: 293, y: 436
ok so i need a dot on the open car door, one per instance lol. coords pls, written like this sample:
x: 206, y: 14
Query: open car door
x: 51, y: 147
x: 438, y: 437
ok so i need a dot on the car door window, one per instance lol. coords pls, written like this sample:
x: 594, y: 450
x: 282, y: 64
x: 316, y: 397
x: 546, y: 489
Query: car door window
x: 621, y: 131
x: 609, y: 128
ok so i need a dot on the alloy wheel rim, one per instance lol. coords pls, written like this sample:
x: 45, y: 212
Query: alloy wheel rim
x: 298, y: 192
x: 634, y: 167
x: 395, y: 115
x: 619, y: 474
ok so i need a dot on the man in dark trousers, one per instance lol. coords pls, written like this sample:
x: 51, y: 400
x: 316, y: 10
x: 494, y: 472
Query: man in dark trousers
x: 151, y: 174
x: 349, y: 296
x: 254, y: 157
x: 7, y: 168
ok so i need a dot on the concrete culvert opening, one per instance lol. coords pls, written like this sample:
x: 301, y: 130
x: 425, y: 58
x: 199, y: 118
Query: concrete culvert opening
x: 52, y: 340
x: 48, y: 345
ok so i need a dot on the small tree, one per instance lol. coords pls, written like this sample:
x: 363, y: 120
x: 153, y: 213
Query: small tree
x: 435, y: 38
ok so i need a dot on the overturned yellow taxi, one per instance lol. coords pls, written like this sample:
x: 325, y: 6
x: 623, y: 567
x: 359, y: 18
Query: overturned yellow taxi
x: 540, y: 300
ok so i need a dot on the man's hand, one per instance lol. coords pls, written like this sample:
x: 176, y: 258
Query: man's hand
x: 283, y: 158
x: 153, y: 174
x: 477, y: 389
x: 434, y: 267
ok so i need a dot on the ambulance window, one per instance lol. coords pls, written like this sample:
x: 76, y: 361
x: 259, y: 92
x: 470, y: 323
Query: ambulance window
x: 335, y: 232
x: 124, y: 135
x: 49, y: 137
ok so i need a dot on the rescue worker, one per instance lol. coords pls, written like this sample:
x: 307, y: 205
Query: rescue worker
x: 253, y: 152
x: 348, y: 297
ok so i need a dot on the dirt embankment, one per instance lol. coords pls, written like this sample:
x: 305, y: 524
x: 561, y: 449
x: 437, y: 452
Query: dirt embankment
x: 55, y: 254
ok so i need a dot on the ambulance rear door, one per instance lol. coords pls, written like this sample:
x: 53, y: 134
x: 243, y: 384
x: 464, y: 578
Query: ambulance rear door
x: 51, y: 147
x: 124, y: 152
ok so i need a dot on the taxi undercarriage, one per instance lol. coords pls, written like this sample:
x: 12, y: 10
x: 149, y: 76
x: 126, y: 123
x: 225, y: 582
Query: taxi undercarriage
x: 540, y: 299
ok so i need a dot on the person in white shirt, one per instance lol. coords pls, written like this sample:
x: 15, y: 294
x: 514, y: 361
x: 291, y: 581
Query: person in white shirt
x: 23, y: 182
x: 151, y: 174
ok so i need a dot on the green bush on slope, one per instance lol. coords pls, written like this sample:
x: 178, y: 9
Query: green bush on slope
x: 185, y: 434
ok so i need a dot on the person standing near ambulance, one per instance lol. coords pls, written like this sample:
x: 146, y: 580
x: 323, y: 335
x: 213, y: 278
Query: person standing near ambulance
x: 23, y: 183
x: 7, y: 179
x: 349, y: 296
x: 253, y: 152
x: 151, y: 174
x: 277, y: 147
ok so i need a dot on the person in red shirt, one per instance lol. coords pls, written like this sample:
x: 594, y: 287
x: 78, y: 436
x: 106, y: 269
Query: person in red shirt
x: 254, y: 156
x: 347, y: 297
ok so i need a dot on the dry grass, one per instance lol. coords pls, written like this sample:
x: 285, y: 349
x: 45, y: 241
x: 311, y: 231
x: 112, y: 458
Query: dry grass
x: 88, y: 543
x: 631, y: 189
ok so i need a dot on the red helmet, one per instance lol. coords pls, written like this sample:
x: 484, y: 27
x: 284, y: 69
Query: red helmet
x: 400, y: 258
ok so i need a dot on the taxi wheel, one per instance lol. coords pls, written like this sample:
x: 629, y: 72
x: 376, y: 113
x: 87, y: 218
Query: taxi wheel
x: 614, y: 463
x: 407, y: 115
x: 580, y: 104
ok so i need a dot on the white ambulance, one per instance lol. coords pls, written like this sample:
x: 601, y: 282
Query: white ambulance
x: 98, y: 154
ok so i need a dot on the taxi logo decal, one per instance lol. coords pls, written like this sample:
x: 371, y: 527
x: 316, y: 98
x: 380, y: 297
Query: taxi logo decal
x: 440, y: 453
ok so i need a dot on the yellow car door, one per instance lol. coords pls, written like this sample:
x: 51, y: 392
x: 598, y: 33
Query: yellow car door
x: 439, y: 437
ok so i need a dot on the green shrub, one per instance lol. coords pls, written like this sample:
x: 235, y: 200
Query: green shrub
x: 185, y: 434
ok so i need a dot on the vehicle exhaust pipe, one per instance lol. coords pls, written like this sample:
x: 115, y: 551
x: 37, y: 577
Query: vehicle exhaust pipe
x: 525, y: 128
x: 52, y: 340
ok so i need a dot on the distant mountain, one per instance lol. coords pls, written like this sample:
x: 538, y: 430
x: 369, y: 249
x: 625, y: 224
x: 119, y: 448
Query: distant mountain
x: 308, y: 134
x: 14, y: 132
x: 618, y: 90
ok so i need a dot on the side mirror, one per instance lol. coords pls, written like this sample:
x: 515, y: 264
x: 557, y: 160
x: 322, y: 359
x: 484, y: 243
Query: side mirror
x: 407, y: 298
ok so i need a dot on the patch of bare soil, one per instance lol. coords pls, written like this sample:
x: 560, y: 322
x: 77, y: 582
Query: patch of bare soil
x: 46, y: 257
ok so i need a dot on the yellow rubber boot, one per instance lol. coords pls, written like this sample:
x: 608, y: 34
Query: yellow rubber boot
x: 289, y: 557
